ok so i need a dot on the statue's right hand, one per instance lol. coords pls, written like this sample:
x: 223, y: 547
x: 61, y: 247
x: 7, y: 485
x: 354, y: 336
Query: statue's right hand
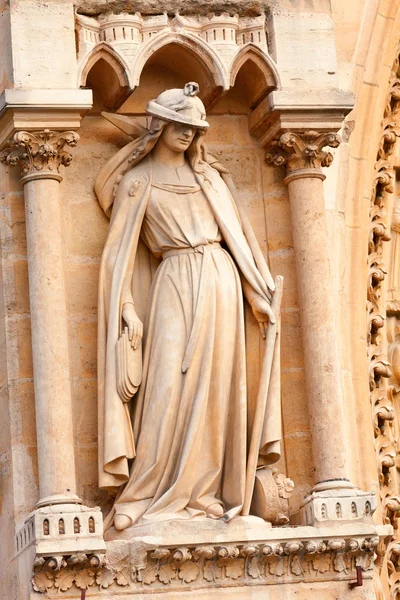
x: 135, y: 325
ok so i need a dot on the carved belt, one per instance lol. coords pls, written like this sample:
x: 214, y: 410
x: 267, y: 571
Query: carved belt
x: 205, y: 250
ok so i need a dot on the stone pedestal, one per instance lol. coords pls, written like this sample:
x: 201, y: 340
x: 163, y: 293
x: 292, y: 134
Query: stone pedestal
x: 335, y: 507
x: 245, y: 558
x: 65, y: 530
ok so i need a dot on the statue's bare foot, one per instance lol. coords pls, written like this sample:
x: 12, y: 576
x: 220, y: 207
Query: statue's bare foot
x: 122, y: 522
x: 215, y: 511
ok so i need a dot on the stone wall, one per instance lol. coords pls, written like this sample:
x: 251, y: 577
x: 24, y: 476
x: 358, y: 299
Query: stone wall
x: 354, y: 45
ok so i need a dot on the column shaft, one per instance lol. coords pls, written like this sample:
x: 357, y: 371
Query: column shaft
x: 50, y: 341
x: 317, y: 304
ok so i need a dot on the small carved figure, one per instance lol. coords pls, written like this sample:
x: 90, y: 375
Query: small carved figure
x: 179, y: 256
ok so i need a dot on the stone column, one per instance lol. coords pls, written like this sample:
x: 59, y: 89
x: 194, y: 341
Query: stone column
x: 303, y: 156
x: 40, y: 155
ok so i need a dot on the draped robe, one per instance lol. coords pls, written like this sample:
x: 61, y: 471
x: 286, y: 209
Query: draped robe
x: 127, y: 270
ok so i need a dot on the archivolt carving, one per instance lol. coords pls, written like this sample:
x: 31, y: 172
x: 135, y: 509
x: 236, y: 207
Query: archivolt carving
x: 393, y: 298
x: 384, y: 368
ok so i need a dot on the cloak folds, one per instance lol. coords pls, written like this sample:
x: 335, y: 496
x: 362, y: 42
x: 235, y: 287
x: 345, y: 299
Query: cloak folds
x: 128, y: 267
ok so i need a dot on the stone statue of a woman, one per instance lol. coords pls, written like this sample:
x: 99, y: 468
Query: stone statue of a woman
x: 178, y: 259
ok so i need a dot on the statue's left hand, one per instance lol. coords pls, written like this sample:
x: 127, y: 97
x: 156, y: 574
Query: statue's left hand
x: 135, y: 325
x: 263, y: 313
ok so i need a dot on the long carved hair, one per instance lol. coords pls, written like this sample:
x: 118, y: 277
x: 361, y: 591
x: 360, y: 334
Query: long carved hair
x: 145, y: 139
x: 196, y: 152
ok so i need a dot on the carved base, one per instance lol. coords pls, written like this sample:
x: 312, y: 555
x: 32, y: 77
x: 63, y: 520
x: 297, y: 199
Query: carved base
x: 209, y: 559
x: 58, y: 499
x: 61, y: 535
x: 333, y: 507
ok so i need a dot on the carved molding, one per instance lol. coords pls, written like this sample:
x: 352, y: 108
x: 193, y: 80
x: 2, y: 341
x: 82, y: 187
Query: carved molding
x: 383, y: 341
x: 40, y: 154
x: 59, y: 572
x: 126, y: 41
x: 207, y: 565
x: 133, y: 29
x: 302, y: 150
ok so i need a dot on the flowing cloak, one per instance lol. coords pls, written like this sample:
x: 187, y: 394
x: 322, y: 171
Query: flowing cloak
x: 126, y: 272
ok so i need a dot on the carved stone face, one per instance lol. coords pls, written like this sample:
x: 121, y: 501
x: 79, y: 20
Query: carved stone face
x: 178, y: 137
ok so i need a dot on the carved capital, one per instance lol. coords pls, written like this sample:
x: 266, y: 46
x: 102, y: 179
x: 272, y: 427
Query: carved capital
x: 40, y: 153
x: 302, y: 150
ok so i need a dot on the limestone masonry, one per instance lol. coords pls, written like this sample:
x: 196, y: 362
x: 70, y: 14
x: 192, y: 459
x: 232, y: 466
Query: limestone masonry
x: 200, y: 299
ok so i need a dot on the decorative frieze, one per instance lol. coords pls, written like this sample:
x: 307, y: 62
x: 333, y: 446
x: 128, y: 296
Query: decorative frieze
x: 138, y: 566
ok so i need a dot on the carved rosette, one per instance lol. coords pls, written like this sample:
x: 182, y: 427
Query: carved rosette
x: 302, y: 150
x: 40, y: 154
x: 383, y: 338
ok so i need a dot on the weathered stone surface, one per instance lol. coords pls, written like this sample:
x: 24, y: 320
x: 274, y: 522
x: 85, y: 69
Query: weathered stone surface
x: 204, y: 555
x: 318, y: 51
x: 155, y: 7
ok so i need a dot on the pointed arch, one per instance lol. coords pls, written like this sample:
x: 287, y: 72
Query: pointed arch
x: 192, y: 44
x: 261, y: 72
x: 109, y: 55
